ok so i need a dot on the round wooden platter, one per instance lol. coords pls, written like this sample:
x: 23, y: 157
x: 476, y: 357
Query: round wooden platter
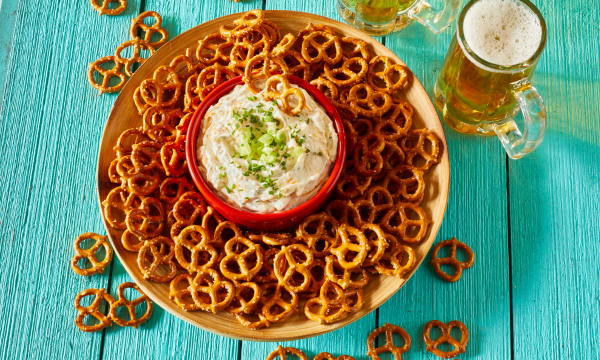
x: 124, y: 115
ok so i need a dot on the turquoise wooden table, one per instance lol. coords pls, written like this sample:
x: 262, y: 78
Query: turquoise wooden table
x: 534, y: 224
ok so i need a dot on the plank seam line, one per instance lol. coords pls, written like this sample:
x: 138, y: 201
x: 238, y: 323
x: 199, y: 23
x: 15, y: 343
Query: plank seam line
x: 510, y: 285
x: 108, y: 286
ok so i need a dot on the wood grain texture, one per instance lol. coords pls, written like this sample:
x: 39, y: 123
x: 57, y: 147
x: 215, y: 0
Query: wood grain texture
x: 555, y: 197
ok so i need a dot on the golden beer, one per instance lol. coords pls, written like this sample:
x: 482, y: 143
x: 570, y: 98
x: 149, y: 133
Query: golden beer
x: 493, y: 53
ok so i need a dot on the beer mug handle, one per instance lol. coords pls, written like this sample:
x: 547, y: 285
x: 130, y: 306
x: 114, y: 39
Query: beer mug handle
x: 518, y: 143
x: 436, y: 20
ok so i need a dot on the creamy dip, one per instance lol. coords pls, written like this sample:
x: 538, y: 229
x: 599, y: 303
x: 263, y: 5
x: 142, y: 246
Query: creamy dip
x: 260, y: 159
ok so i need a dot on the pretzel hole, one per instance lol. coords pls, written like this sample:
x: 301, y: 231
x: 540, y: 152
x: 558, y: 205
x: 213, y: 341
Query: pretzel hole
x: 448, y: 269
x: 233, y: 267
x: 395, y: 220
x: 461, y: 255
x: 356, y: 276
x: 363, y: 127
x: 365, y: 212
x: 398, y: 340
x: 113, y: 80
x: 90, y: 320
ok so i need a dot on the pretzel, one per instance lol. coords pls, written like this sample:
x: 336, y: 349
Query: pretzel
x: 208, y: 283
x: 255, y: 43
x: 367, y: 155
x: 451, y: 260
x: 253, y: 325
x: 397, y: 222
x: 273, y: 239
x: 90, y: 254
x: 155, y: 255
x: 186, y: 65
x: 393, y: 157
x: 248, y: 22
x: 319, y: 231
x: 412, y: 149
x: 172, y: 156
x: 377, y: 242
x: 93, y: 310
x: 323, y: 50
x: 242, y: 259
x: 345, y: 211
x: 328, y: 356
x: 189, y: 209
x: 130, y: 305
x: 211, y: 220
x: 195, y: 241
x: 214, y: 48
x: 163, y: 89
x: 280, y: 351
x: 273, y: 30
x: 351, y: 77
x: 351, y: 184
x: 178, y: 295
x: 138, y: 23
x: 389, y: 346
x: 310, y: 28
x: 211, y: 77
x: 331, y: 310
x: 125, y: 169
x: 270, y: 63
x: 104, y: 9
x: 390, y: 263
x: 286, y: 44
x: 146, y: 156
x: 241, y: 303
x: 358, y: 48
x: 286, y: 265
x: 135, y: 58
x: 147, y: 221
x: 316, y: 271
x: 395, y: 125
x: 139, y: 101
x: 275, y: 307
x: 359, y: 246
x: 122, y: 201
x: 122, y: 148
x: 296, y: 64
x: 344, y: 277
x: 368, y: 102
x: 385, y: 75
x: 363, y: 127
x: 115, y: 71
x: 406, y: 184
x: 375, y: 203
x: 460, y: 347
x: 266, y: 274
x: 172, y: 189
x: 142, y: 184
x: 351, y: 137
x: 191, y: 98
x: 127, y: 239
x: 271, y: 92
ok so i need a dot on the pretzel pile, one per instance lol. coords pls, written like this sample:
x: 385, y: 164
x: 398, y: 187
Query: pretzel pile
x: 123, y: 66
x: 367, y: 227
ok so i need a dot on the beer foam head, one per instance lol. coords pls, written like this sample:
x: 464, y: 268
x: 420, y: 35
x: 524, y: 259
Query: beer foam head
x: 503, y: 32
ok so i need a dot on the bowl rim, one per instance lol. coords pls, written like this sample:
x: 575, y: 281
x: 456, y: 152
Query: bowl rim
x: 223, y: 206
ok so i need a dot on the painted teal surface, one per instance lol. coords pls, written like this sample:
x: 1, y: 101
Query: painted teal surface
x: 534, y: 224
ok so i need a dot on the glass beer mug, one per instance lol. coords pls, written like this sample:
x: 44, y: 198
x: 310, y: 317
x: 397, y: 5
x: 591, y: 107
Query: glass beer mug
x: 486, y: 77
x: 379, y: 17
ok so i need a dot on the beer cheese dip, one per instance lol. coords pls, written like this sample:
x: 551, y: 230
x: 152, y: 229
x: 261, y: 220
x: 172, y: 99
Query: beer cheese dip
x: 258, y: 158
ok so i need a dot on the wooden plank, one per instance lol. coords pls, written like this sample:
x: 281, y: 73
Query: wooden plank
x: 49, y: 143
x: 350, y: 340
x: 554, y: 197
x: 8, y: 12
x: 476, y: 215
x: 148, y: 341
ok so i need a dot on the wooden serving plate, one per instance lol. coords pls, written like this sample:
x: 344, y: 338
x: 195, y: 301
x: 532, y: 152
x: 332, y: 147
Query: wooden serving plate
x: 124, y: 115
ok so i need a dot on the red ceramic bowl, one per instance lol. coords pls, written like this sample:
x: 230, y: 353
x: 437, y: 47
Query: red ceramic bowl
x: 264, y: 221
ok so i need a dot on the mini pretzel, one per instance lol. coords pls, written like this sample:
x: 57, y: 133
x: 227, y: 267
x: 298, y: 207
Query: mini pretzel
x: 345, y: 212
x: 127, y: 240
x: 397, y: 222
x: 146, y: 156
x: 211, y: 77
x: 253, y: 325
x: 214, y: 48
x: 412, y: 149
x: 267, y: 273
x: 135, y: 58
x: 155, y: 255
x: 248, y: 22
x: 268, y: 63
x: 357, y: 48
x: 130, y: 305
x: 123, y: 147
x: 142, y: 184
x: 188, y: 210
x: 209, y: 282
x: 172, y: 156
x: 246, y: 271
x: 286, y: 44
x: 91, y: 254
x: 255, y: 43
x: 367, y: 155
x: 344, y: 277
x: 296, y: 64
x: 310, y: 28
x: 273, y: 239
x: 276, y: 308
x: 103, y: 9
x: 319, y: 229
x: 405, y: 184
x: 351, y: 77
x: 147, y: 221
x: 138, y: 23
x: 317, y: 279
x: 273, y: 30
x: 93, y: 310
x: 459, y: 346
x: 271, y: 92
x: 326, y: 87
x: 118, y: 199
x: 385, y: 75
x: 178, y: 295
x: 211, y: 220
x: 280, y: 351
x: 171, y: 189
x: 351, y: 184
x: 195, y: 241
x: 452, y: 260
x: 331, y: 310
x: 186, y: 65
x: 389, y: 346
x: 368, y: 102
x: 377, y: 242
x: 396, y: 124
x: 323, y: 50
x: 243, y: 303
x: 393, y: 157
x: 163, y: 89
x: 328, y: 356
x: 115, y: 71
x: 286, y: 266
x: 359, y: 246
x: 391, y: 263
